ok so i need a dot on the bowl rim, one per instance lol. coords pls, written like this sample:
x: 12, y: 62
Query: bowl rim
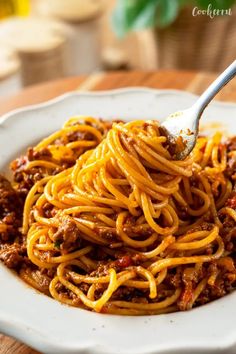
x: 118, y: 91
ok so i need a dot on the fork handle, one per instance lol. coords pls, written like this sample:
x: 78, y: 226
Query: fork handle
x: 214, y: 88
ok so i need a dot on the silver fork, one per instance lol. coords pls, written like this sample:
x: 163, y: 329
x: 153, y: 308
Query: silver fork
x: 181, y: 128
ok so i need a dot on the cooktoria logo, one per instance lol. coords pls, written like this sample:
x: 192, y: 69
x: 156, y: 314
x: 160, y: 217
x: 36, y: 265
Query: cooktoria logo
x: 211, y: 12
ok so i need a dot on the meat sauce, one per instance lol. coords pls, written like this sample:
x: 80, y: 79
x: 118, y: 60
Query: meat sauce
x: 13, y: 250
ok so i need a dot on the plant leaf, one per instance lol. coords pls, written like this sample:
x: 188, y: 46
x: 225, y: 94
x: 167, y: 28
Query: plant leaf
x: 134, y: 15
x: 167, y: 11
x: 216, y: 4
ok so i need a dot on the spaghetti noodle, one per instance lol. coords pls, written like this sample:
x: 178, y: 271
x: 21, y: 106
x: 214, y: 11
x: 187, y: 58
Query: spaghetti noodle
x: 123, y: 228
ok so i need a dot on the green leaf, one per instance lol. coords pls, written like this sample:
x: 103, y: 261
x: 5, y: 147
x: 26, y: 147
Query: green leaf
x: 134, y: 15
x: 167, y: 11
x: 215, y: 4
x: 146, y: 18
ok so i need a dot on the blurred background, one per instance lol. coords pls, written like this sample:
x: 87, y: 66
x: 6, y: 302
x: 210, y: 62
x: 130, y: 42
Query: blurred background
x: 42, y: 40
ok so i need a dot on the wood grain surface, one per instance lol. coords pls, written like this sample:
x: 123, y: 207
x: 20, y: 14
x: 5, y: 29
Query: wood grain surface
x: 181, y: 80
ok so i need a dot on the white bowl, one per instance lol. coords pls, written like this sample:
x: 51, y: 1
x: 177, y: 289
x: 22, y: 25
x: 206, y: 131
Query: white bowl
x: 50, y: 327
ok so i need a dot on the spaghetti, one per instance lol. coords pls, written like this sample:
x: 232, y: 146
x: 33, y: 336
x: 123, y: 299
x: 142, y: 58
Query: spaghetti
x: 123, y: 228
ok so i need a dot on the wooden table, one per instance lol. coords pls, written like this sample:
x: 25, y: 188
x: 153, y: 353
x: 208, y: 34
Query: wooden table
x: 189, y: 81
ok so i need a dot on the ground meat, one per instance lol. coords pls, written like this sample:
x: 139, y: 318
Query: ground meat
x: 176, y: 280
x: 231, y: 167
x: 60, y: 288
x: 26, y: 178
x: 84, y: 287
x: 134, y: 230
x: 119, y: 264
x: 11, y: 206
x: 186, y: 278
x: 67, y: 234
x: 231, y: 160
x: 13, y: 256
x: 101, y: 270
x: 104, y: 266
x: 231, y: 202
x: 7, y: 197
x: 204, y: 226
x: 224, y: 284
x: 47, y: 210
x: 183, y: 212
x: 19, y: 164
x: 231, y: 144
x: 42, y: 279
x: 124, y: 262
x: 77, y: 136
x: 228, y: 234
x: 125, y: 293
x: 50, y: 273
x: 137, y: 259
x: 42, y: 154
x: 107, y: 233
